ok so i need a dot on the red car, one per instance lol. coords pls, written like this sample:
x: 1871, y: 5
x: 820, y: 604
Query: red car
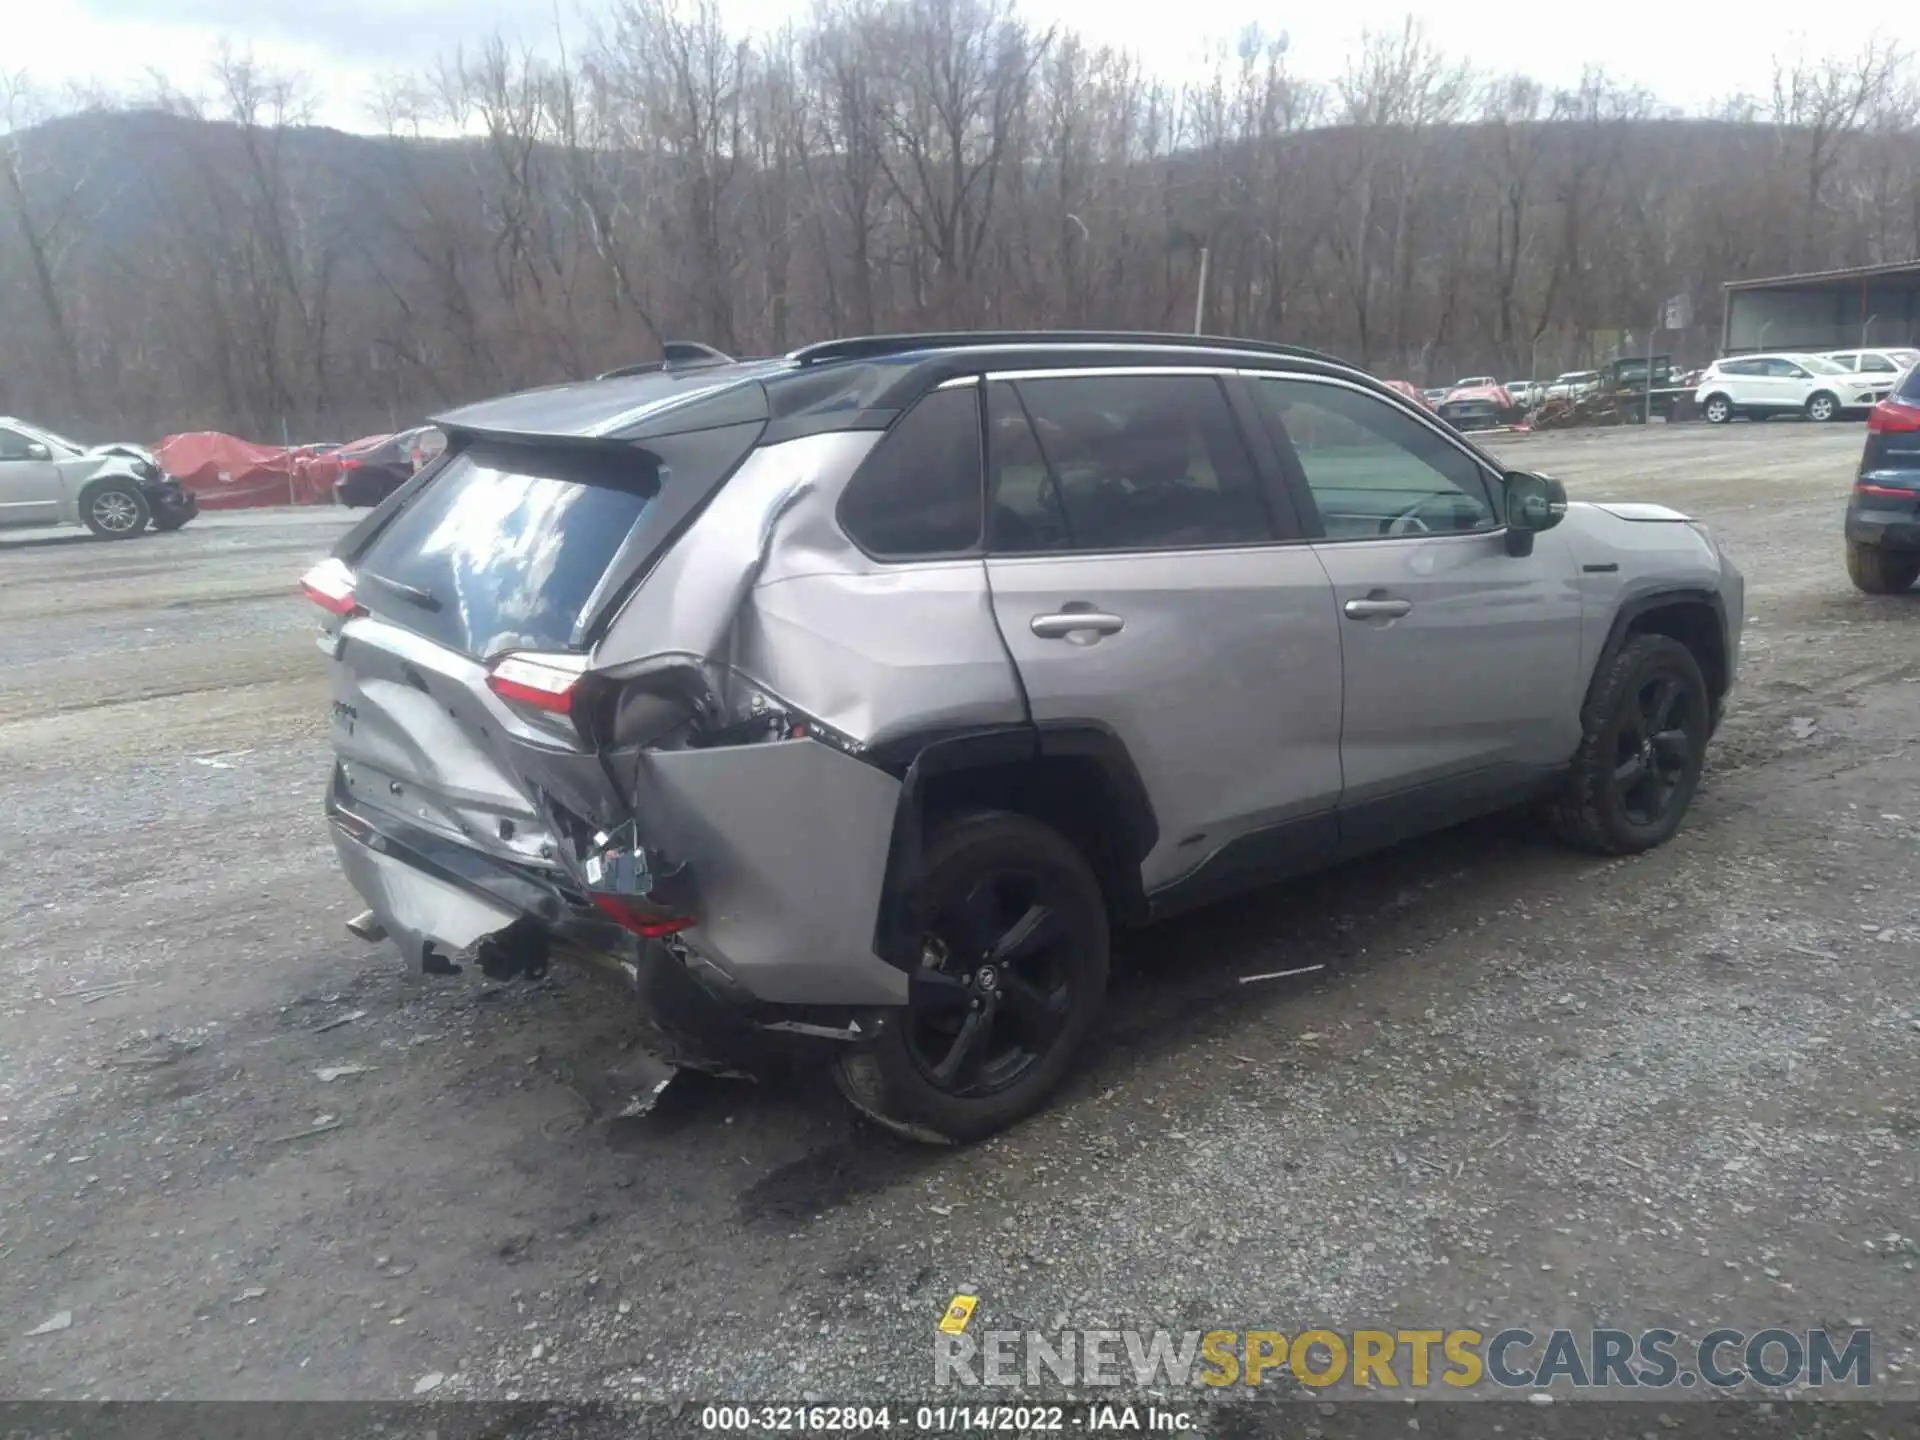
x: 1477, y: 407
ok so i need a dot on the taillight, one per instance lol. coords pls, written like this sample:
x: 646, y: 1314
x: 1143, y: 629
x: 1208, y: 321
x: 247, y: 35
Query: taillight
x: 349, y: 464
x: 1885, y: 492
x: 642, y: 919
x: 330, y: 586
x: 536, y: 683
x: 1893, y: 417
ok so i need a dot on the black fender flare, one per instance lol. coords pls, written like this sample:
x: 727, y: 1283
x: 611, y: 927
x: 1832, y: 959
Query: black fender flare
x: 1639, y: 605
x: 921, y: 758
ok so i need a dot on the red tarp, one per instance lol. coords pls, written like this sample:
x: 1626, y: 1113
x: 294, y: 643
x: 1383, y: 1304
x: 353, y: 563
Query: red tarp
x: 227, y: 473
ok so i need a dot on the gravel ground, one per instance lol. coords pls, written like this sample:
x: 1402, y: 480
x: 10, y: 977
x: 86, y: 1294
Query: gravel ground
x: 1531, y: 1088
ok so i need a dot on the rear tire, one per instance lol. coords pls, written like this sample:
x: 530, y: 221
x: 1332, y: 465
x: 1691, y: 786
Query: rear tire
x: 1012, y: 978
x: 1643, y: 746
x: 1879, y: 571
x: 1718, y: 410
x: 115, y: 510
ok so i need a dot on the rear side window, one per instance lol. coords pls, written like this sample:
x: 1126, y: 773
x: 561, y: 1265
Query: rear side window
x: 1122, y: 462
x: 917, y: 495
x: 1740, y: 367
x: 505, y: 546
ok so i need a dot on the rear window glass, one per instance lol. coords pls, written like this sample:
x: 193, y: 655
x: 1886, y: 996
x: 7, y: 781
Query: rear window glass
x: 1909, y: 388
x: 504, y: 548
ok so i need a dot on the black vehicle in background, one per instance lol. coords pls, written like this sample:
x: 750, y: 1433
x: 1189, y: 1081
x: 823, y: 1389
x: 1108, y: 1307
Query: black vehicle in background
x: 373, y: 468
x: 1883, y: 514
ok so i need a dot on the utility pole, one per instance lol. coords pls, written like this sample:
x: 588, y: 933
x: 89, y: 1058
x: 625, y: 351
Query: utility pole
x: 1653, y: 330
x: 1200, y: 298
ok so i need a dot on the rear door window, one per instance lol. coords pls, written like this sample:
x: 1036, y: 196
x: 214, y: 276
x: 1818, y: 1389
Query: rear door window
x: 1121, y: 462
x: 503, y: 549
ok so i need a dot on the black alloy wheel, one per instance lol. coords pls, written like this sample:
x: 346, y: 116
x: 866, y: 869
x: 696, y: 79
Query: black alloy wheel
x: 1654, y: 749
x: 1008, y: 982
x: 995, y: 986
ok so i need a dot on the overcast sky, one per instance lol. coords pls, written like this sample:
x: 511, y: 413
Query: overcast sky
x: 1688, y: 54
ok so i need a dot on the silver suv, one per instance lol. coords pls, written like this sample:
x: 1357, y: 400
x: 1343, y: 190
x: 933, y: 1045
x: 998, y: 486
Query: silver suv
x: 847, y: 701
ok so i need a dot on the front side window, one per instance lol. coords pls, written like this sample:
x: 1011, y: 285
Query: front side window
x: 1120, y: 462
x: 917, y: 494
x: 1879, y: 365
x: 13, y: 445
x: 1374, y: 470
x: 1786, y: 370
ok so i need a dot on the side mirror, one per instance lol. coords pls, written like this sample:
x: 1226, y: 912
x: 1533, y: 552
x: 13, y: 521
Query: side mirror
x: 37, y: 451
x: 1534, y: 503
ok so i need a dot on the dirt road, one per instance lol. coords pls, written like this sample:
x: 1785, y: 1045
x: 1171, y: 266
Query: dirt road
x: 250, y: 1156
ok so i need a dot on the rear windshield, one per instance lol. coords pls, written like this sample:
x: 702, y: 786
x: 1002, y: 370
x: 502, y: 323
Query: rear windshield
x: 503, y: 548
x: 1910, y: 385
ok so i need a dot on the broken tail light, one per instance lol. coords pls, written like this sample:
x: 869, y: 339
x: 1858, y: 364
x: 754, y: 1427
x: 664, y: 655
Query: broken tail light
x: 626, y: 884
x: 1893, y: 417
x: 643, y: 919
x: 330, y: 586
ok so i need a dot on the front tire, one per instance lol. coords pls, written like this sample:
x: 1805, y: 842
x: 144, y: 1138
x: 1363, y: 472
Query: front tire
x: 1643, y: 747
x: 1718, y: 410
x: 1879, y: 571
x: 116, y: 510
x: 1822, y: 407
x: 1012, y: 977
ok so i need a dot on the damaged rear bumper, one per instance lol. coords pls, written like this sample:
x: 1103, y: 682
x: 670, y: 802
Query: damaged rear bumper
x: 436, y: 898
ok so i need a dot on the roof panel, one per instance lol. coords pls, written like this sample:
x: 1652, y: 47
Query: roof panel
x: 596, y: 409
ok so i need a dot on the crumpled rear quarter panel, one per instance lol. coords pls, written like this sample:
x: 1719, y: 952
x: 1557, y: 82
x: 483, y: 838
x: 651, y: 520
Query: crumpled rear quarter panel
x: 788, y: 844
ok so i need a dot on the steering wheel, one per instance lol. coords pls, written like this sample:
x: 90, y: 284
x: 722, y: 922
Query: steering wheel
x: 1407, y: 522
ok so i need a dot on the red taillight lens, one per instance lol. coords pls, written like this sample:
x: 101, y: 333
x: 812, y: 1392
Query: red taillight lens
x: 641, y: 918
x: 1893, y: 417
x: 1885, y: 492
x: 349, y: 464
x: 538, y: 684
x: 330, y: 586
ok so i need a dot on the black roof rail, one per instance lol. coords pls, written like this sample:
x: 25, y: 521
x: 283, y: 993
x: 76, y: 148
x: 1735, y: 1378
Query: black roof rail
x: 873, y: 347
x: 674, y: 355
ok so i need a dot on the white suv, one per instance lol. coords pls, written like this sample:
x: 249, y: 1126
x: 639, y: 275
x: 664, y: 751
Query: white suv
x: 1762, y: 385
x: 1883, y: 368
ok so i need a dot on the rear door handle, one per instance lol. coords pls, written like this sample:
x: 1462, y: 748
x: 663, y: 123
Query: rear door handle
x: 1063, y: 625
x: 1373, y: 609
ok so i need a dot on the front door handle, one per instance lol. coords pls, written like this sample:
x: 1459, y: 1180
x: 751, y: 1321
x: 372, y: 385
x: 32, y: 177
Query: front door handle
x: 1066, y: 623
x: 1377, y: 609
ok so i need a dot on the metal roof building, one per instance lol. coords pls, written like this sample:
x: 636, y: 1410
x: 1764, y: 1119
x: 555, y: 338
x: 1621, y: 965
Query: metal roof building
x: 1864, y: 306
